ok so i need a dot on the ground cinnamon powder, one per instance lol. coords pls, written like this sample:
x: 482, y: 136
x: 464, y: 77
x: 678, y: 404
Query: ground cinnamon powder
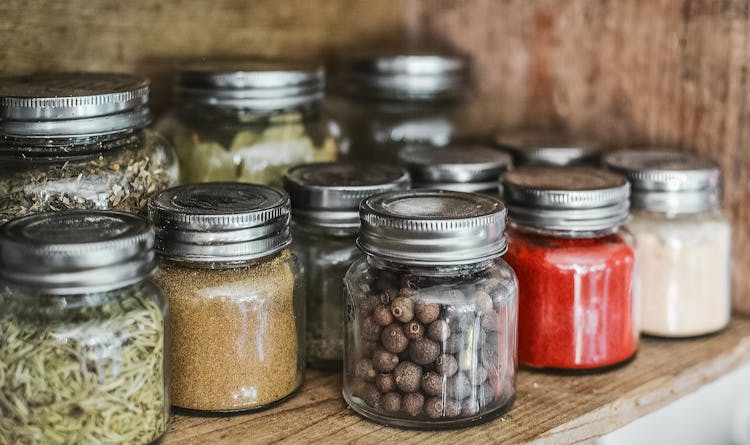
x: 233, y: 337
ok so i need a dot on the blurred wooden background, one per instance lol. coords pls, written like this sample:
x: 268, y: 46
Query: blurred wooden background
x: 672, y: 72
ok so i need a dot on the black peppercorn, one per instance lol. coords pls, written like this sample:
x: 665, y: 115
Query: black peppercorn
x: 368, y: 303
x: 490, y: 358
x: 427, y: 312
x: 370, y: 329
x: 433, y: 384
x: 485, y: 394
x: 424, y: 351
x: 458, y: 386
x: 372, y: 396
x: 408, y: 376
x: 403, y: 309
x: 365, y: 370
x: 385, y: 383
x: 483, y: 302
x: 388, y: 295
x: 382, y: 315
x: 357, y: 387
x: 391, y: 402
x: 393, y: 338
x: 477, y: 376
x: 490, y: 321
x: 408, y: 292
x: 470, y: 407
x: 439, y: 330
x: 446, y: 365
x: 384, y: 361
x: 454, y: 344
x: 436, y: 407
x: 412, y: 403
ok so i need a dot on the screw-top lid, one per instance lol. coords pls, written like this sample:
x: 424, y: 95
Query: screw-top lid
x: 668, y: 181
x: 573, y: 199
x: 457, y: 168
x: 220, y: 221
x: 433, y: 227
x: 548, y: 149
x: 408, y: 76
x: 329, y: 194
x: 76, y: 251
x: 72, y: 104
x: 264, y: 85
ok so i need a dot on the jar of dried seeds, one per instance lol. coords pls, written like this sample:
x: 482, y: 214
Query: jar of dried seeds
x: 236, y: 316
x: 78, y: 141
x: 82, y: 331
x: 431, y: 311
x: 325, y: 222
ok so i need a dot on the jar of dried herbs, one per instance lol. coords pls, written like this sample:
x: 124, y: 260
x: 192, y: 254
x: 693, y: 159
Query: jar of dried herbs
x: 78, y: 141
x: 325, y: 222
x: 82, y: 331
x: 249, y: 121
x: 237, y: 318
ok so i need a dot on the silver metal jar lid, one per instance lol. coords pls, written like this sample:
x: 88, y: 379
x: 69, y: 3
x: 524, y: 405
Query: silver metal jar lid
x: 668, y: 181
x: 262, y: 85
x: 76, y: 251
x: 72, y: 104
x: 432, y: 227
x: 548, y: 149
x: 408, y: 76
x: 329, y: 194
x: 220, y: 222
x: 575, y: 199
x: 457, y: 168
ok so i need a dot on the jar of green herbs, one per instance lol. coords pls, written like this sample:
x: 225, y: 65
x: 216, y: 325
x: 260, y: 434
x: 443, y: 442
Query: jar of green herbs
x: 79, y: 141
x: 82, y: 331
x: 249, y: 120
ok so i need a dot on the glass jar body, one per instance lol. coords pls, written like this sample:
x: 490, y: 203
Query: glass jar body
x: 325, y: 255
x: 219, y: 144
x: 430, y: 347
x: 576, y: 305
x: 83, y: 368
x: 684, y: 277
x: 114, y: 172
x: 237, y: 332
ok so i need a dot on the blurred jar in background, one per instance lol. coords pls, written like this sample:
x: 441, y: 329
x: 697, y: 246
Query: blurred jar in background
x: 546, y: 148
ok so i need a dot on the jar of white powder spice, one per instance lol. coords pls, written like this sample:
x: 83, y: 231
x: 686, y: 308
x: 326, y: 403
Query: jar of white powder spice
x: 684, y: 241
x: 236, y: 315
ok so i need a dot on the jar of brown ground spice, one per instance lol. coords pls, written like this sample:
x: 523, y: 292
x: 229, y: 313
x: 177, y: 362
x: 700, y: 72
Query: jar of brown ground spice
x: 236, y: 315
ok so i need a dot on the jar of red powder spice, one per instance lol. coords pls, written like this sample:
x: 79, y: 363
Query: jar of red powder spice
x: 575, y: 266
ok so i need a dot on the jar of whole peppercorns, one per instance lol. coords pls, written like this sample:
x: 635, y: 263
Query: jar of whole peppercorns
x: 431, y: 311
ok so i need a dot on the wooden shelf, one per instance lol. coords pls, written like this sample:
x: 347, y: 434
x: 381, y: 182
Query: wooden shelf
x: 549, y: 408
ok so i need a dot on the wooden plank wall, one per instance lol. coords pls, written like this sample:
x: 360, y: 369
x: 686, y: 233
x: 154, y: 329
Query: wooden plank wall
x: 671, y: 72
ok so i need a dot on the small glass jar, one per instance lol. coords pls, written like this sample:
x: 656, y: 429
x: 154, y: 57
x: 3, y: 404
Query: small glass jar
x: 83, y: 329
x: 325, y: 222
x: 78, y: 141
x: 460, y: 168
x: 549, y: 148
x: 237, y: 315
x: 431, y: 312
x: 389, y: 101
x: 684, y: 241
x: 249, y: 121
x: 575, y: 266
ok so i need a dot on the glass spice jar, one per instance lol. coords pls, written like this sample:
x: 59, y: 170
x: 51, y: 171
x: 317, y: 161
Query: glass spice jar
x: 575, y: 267
x: 391, y: 100
x: 236, y: 311
x: 249, y: 121
x: 431, y: 311
x: 325, y: 222
x: 79, y: 141
x: 549, y: 148
x: 82, y: 331
x: 460, y: 168
x: 684, y: 241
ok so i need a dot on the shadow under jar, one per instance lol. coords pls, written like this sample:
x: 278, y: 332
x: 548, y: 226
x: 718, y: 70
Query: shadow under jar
x: 575, y: 267
x: 82, y: 333
x: 684, y: 241
x: 325, y: 222
x: 431, y: 312
x: 236, y: 314
x: 249, y: 121
x: 78, y: 141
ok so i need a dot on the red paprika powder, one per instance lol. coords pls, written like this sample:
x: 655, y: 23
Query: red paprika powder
x: 575, y: 267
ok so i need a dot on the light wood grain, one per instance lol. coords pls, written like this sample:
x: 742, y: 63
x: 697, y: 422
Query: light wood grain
x: 550, y: 408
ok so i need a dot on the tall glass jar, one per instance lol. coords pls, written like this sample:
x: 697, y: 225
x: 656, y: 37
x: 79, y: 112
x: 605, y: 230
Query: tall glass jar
x: 249, y: 121
x: 325, y: 222
x: 431, y: 312
x: 549, y: 148
x: 458, y: 167
x: 575, y: 266
x: 83, y: 329
x: 389, y: 101
x: 237, y: 317
x: 78, y: 141
x: 684, y: 241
